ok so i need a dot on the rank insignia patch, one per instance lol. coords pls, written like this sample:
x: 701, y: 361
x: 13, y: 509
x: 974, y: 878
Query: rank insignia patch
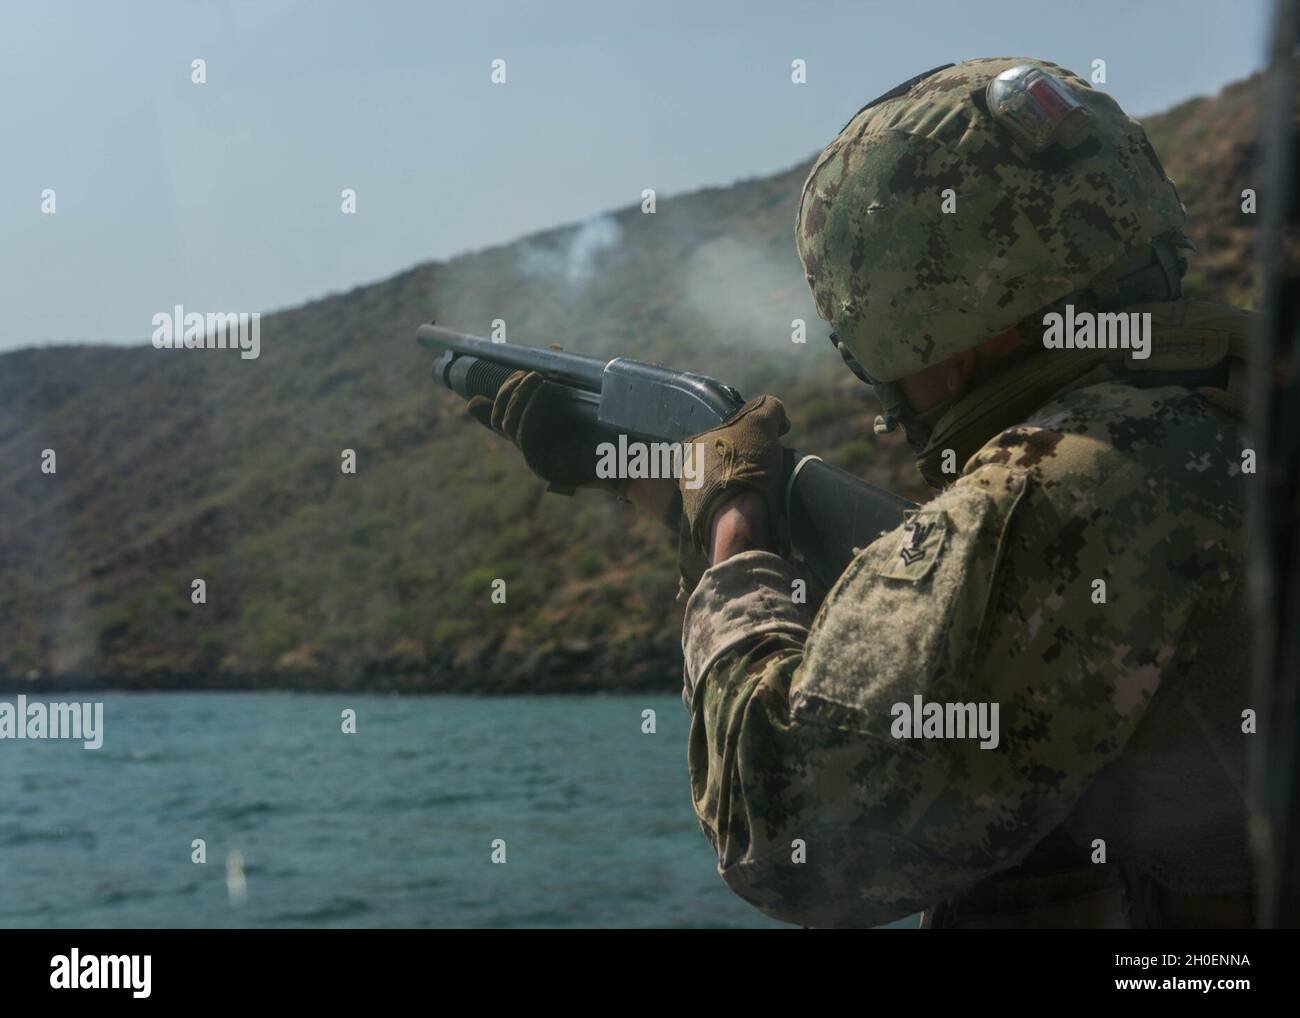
x: 915, y: 555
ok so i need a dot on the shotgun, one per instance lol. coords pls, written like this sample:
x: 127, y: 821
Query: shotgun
x: 831, y: 513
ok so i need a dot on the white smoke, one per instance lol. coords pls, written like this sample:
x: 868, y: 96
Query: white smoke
x: 748, y: 296
x: 575, y: 259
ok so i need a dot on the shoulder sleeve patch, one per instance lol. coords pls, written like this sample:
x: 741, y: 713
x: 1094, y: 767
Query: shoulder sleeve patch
x: 907, y: 615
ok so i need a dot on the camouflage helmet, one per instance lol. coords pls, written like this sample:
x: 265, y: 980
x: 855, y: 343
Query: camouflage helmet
x: 966, y: 199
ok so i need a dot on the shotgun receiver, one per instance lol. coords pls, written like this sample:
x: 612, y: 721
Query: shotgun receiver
x: 830, y: 512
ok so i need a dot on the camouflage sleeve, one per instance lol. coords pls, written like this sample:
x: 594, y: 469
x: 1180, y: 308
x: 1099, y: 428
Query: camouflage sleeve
x: 816, y: 814
x: 738, y: 604
x: 773, y: 793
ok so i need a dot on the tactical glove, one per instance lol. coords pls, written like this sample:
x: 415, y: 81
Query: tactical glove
x: 528, y: 410
x: 745, y: 453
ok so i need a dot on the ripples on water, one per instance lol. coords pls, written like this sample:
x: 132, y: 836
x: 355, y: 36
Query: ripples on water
x: 392, y: 826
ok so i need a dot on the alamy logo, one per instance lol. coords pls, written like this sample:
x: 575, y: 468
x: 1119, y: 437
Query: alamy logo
x: 72, y: 971
x: 221, y: 330
x: 83, y: 721
x: 921, y: 720
x: 639, y: 460
x: 1089, y: 330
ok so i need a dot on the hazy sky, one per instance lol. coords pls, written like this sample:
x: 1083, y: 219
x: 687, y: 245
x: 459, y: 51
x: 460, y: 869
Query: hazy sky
x: 225, y: 196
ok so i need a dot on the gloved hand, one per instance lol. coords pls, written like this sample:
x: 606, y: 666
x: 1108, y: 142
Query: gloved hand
x: 528, y: 411
x: 744, y: 453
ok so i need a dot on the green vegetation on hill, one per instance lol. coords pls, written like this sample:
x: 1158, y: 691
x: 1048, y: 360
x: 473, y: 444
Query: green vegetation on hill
x: 176, y: 465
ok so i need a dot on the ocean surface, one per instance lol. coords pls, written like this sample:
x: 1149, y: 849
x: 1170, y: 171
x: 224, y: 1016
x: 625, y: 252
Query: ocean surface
x: 393, y: 826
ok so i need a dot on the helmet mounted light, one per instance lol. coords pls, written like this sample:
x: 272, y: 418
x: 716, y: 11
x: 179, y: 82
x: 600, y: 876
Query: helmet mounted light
x: 1037, y: 109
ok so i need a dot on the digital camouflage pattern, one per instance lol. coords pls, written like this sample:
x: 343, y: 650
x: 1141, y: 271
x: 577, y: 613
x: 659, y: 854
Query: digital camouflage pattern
x: 790, y: 735
x: 904, y: 284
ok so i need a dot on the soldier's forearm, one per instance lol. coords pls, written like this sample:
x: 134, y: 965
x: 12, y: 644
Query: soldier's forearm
x: 739, y: 525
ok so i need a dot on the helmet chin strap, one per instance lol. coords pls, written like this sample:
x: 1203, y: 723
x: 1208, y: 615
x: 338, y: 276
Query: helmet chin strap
x: 918, y: 427
x: 888, y: 393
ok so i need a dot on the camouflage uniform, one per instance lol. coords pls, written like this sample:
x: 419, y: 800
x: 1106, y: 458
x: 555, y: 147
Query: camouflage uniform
x: 1120, y: 720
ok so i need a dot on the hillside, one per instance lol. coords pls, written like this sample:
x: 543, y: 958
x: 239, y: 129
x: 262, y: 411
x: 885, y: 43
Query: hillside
x: 175, y: 465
